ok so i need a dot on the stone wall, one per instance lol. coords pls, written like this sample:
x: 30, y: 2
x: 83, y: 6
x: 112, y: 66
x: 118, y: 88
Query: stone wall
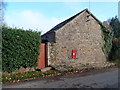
x: 51, y: 53
x: 82, y: 34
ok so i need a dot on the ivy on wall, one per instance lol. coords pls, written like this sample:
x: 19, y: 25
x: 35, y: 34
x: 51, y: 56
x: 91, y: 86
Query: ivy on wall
x: 107, y: 37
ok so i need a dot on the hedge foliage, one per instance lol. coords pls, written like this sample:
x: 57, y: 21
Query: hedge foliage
x: 20, y: 48
x: 107, y: 37
x: 0, y: 49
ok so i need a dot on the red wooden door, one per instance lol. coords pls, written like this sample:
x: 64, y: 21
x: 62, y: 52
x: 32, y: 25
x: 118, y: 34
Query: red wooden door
x: 42, y: 60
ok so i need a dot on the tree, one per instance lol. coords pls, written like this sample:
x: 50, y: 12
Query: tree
x: 115, y: 51
x: 1, y: 13
x: 2, y: 8
x: 106, y: 24
x: 115, y: 24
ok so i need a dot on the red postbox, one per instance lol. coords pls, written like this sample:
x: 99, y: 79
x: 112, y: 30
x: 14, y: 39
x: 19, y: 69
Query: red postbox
x: 74, y: 53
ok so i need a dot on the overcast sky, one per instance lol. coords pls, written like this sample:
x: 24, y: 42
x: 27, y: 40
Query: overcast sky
x: 42, y: 16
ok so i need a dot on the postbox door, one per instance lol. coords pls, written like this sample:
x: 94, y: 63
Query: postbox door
x: 73, y: 53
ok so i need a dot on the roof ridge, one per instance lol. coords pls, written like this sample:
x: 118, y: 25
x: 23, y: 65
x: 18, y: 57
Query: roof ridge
x: 69, y: 19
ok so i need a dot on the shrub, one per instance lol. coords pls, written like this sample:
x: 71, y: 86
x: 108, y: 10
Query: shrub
x: 20, y: 48
x: 115, y: 52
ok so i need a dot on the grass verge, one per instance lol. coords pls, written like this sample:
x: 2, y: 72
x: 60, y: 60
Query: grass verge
x: 16, y: 77
x: 30, y: 75
x: 117, y: 62
x: 24, y: 76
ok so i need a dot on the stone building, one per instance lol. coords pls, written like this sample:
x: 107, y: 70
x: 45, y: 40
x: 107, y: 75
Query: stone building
x: 82, y: 33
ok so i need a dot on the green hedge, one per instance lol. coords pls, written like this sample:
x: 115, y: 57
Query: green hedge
x: 20, y: 48
x: 0, y: 49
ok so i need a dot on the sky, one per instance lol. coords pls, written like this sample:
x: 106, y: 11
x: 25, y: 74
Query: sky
x: 42, y: 16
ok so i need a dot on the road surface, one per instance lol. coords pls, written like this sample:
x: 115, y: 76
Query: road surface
x: 106, y: 78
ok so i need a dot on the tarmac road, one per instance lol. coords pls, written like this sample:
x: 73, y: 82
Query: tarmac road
x: 105, y: 78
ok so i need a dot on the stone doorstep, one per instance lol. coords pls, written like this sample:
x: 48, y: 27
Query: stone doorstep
x: 45, y: 69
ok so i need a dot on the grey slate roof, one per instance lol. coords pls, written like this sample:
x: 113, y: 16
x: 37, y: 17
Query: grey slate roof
x: 68, y: 20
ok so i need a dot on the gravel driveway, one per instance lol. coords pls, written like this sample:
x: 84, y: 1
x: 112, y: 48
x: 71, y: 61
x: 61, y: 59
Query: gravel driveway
x: 105, y: 78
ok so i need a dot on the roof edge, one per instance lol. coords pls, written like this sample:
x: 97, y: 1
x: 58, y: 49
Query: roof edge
x: 69, y: 19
